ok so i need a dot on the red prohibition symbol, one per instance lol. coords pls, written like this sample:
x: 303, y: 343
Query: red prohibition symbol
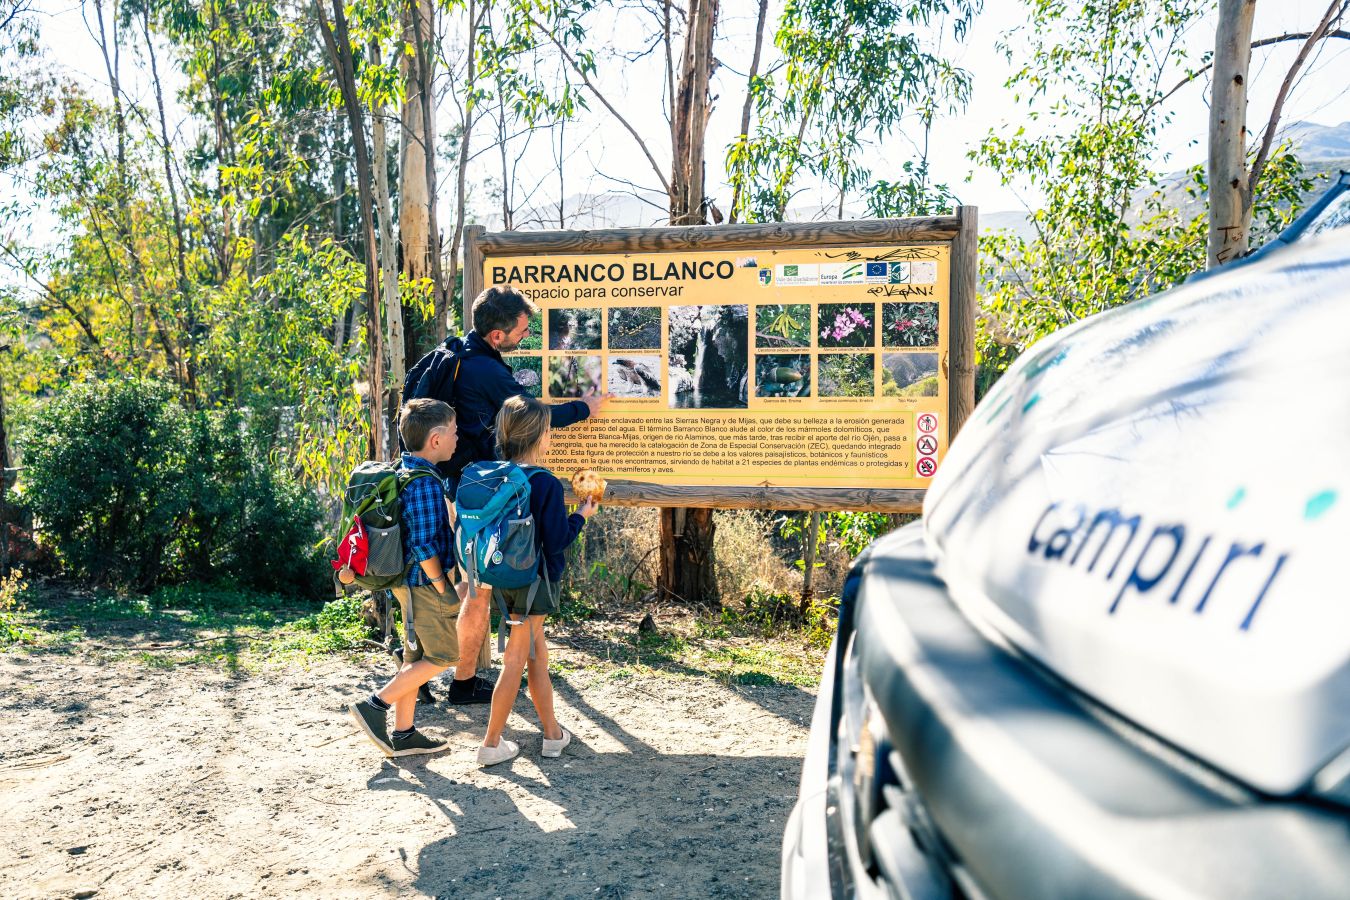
x: 927, y: 423
x: 926, y: 466
x: 927, y: 445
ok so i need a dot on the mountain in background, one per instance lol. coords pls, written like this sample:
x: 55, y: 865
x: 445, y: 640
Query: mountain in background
x: 1324, y: 150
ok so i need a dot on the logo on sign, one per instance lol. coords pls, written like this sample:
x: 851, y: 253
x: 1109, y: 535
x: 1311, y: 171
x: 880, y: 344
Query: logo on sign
x: 927, y: 423
x: 877, y: 272
x: 926, y: 466
x: 898, y: 273
x: 841, y: 273
x: 766, y: 276
x: 927, y: 445
x: 797, y: 274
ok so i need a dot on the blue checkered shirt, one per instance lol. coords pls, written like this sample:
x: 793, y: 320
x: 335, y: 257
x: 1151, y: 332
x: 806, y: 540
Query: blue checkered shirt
x: 426, y: 523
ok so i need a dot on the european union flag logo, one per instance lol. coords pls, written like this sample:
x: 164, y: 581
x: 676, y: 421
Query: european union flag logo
x: 876, y: 270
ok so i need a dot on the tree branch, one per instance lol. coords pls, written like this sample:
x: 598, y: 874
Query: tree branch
x: 1264, y: 42
x: 601, y: 97
x: 1334, y: 12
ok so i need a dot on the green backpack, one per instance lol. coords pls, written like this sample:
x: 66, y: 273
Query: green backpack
x: 371, y: 540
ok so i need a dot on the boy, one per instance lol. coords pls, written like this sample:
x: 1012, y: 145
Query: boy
x: 428, y: 601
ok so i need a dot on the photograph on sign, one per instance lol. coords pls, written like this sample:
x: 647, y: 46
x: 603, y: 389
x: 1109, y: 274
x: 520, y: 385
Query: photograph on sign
x: 795, y: 367
x: 909, y: 324
x: 910, y: 374
x: 635, y: 376
x: 783, y: 375
x: 635, y: 328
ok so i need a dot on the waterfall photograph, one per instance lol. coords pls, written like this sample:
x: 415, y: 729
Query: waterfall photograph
x: 709, y: 356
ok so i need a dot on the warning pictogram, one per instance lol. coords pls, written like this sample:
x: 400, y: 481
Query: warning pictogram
x: 926, y: 466
x: 927, y: 423
x: 926, y: 445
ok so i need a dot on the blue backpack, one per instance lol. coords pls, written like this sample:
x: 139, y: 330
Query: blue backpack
x: 495, y: 535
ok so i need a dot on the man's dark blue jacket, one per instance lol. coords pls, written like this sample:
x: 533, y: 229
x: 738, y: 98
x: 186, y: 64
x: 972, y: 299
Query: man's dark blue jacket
x: 477, y: 388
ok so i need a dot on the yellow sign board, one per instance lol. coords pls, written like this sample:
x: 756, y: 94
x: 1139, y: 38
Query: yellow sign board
x: 795, y: 367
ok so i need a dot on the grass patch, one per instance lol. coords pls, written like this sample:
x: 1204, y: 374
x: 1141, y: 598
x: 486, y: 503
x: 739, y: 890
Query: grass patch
x: 219, y: 625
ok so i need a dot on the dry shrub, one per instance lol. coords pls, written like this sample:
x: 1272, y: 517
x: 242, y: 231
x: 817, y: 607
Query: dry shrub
x: 616, y: 558
x: 746, y: 560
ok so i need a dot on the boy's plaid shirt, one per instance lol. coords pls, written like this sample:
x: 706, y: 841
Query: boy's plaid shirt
x: 426, y: 523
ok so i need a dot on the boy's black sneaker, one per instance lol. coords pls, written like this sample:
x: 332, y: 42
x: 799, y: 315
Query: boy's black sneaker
x: 471, y: 690
x: 415, y: 743
x: 373, y: 722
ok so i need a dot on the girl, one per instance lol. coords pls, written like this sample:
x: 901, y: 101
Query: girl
x: 523, y: 438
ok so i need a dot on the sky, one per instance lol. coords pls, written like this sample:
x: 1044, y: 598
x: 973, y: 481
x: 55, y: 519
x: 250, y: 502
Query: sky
x: 601, y: 156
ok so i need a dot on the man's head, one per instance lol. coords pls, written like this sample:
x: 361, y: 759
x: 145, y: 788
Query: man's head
x: 427, y: 427
x: 501, y: 316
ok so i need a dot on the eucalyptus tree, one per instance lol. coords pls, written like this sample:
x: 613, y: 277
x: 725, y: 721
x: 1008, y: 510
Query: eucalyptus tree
x: 1094, y: 85
x: 850, y: 77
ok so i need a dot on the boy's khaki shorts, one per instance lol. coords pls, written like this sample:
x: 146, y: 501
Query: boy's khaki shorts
x: 435, y: 626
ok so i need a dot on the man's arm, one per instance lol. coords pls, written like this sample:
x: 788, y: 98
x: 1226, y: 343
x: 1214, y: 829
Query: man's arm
x: 498, y: 386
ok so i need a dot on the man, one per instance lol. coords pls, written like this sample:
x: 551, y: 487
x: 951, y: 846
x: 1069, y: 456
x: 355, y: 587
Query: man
x: 476, y: 381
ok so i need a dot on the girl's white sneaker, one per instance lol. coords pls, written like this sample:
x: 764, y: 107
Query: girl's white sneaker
x: 555, y: 748
x: 490, y: 756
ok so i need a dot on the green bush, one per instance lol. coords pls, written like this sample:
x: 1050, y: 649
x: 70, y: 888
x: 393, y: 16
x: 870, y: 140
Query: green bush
x: 130, y: 489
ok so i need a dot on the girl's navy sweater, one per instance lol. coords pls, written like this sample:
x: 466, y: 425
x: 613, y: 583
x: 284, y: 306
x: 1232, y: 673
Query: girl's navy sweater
x: 556, y: 529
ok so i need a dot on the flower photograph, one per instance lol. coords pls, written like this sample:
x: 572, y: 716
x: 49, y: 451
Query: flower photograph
x: 909, y: 324
x: 846, y: 324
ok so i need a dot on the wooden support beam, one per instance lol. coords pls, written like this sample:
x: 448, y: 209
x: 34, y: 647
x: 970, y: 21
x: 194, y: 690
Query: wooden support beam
x: 965, y: 279
x: 473, y: 271
x: 702, y: 237
x: 641, y: 493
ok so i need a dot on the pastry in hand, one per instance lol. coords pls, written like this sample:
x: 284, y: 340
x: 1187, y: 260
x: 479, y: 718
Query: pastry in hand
x: 588, y: 485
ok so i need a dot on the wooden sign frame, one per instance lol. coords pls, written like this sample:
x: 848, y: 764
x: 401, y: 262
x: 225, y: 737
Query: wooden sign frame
x: 958, y: 231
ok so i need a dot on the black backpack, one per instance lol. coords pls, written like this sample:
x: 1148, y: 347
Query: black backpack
x: 435, y: 375
x: 435, y: 372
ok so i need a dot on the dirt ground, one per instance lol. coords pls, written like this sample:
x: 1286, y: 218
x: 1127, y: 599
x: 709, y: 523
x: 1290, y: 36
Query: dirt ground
x: 124, y: 780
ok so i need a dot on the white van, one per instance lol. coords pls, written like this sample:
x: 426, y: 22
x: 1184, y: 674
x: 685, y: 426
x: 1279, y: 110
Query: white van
x: 1113, y: 658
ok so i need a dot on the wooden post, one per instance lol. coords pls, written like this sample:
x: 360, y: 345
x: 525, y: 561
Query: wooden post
x: 473, y: 272
x: 965, y: 278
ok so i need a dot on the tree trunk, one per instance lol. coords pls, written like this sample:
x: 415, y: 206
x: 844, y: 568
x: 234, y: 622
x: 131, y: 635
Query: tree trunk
x: 457, y: 233
x: 1230, y: 194
x: 688, y: 568
x: 393, y: 308
x: 689, y: 116
x: 338, y: 43
x: 418, y: 229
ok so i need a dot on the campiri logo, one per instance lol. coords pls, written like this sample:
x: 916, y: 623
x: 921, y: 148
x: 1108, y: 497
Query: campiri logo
x: 1167, y: 559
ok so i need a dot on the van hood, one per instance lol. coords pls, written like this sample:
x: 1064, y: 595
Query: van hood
x: 1155, y: 504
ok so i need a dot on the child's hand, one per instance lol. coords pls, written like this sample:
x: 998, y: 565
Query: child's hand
x: 589, y: 507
